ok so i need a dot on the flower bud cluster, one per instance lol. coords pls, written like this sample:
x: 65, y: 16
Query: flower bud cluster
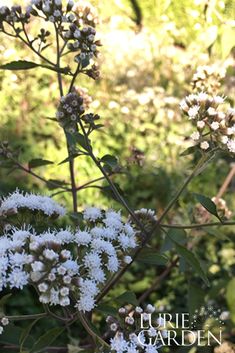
x: 222, y: 208
x: 86, y: 13
x: 52, y: 10
x: 70, y: 110
x: 147, y: 217
x: 82, y: 41
x: 126, y: 331
x: 50, y: 262
x: 13, y: 15
x: 208, y: 78
x: 214, y: 127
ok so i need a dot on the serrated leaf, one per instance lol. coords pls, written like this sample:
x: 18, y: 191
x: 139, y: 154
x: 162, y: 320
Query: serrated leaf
x: 191, y: 259
x: 28, y: 65
x: 128, y: 297
x: 179, y: 235
x: 38, y: 162
x: 46, y: 339
x: 4, y: 299
x: 55, y: 184
x: 70, y: 158
x: 112, y: 161
x: 208, y: 204
x: 230, y: 297
x: 11, y: 335
x: 25, y: 334
x: 189, y: 150
x: 107, y: 309
x: 152, y: 257
x: 196, y: 297
x: 110, y: 193
x: 77, y: 138
x: 19, y: 65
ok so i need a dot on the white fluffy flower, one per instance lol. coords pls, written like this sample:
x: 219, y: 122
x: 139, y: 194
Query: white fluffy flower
x: 118, y: 343
x: 215, y: 125
x: 231, y: 145
x: 204, y: 145
x: 18, y: 278
x: 195, y: 136
x: 82, y: 238
x: 193, y: 111
x: 201, y: 124
x: 18, y: 200
x: 92, y: 213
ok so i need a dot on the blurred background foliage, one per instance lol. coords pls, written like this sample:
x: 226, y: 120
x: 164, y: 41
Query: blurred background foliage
x: 151, y: 50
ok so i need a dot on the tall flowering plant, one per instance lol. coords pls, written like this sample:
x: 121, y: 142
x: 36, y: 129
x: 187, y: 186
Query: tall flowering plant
x: 72, y: 269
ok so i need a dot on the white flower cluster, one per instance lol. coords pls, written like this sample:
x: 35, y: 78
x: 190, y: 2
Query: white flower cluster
x: 79, y: 39
x: 3, y: 322
x: 19, y: 200
x: 126, y: 329
x: 64, y: 264
x: 87, y: 14
x: 214, y: 127
x: 208, y: 78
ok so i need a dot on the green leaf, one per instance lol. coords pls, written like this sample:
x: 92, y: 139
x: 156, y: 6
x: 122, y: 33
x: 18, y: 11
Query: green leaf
x: 77, y: 138
x: 55, y: 184
x: 230, y: 297
x: 152, y: 257
x: 11, y: 335
x: 189, y: 150
x: 28, y: 65
x: 46, y: 340
x: 128, y: 297
x: 25, y: 334
x: 107, y: 309
x: 179, y: 235
x: 191, y: 259
x: 196, y: 297
x: 208, y: 204
x: 70, y: 158
x: 109, y: 192
x: 19, y: 65
x: 112, y: 161
x: 4, y: 299
x: 38, y: 162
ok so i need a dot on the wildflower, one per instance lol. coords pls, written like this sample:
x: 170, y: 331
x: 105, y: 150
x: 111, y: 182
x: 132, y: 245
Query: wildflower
x: 92, y: 213
x: 195, y: 136
x: 193, y: 111
x: 5, y: 321
x: 19, y: 200
x: 204, y: 145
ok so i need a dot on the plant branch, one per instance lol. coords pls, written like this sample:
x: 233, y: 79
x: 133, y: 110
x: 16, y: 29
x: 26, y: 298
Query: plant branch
x: 202, y: 225
x: 26, y: 317
x: 156, y: 227
x: 89, y: 330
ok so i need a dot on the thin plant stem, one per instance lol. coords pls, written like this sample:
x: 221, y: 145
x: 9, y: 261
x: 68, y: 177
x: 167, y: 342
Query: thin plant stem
x: 89, y: 330
x: 26, y: 317
x: 156, y: 227
x: 71, y: 160
x: 202, y: 225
